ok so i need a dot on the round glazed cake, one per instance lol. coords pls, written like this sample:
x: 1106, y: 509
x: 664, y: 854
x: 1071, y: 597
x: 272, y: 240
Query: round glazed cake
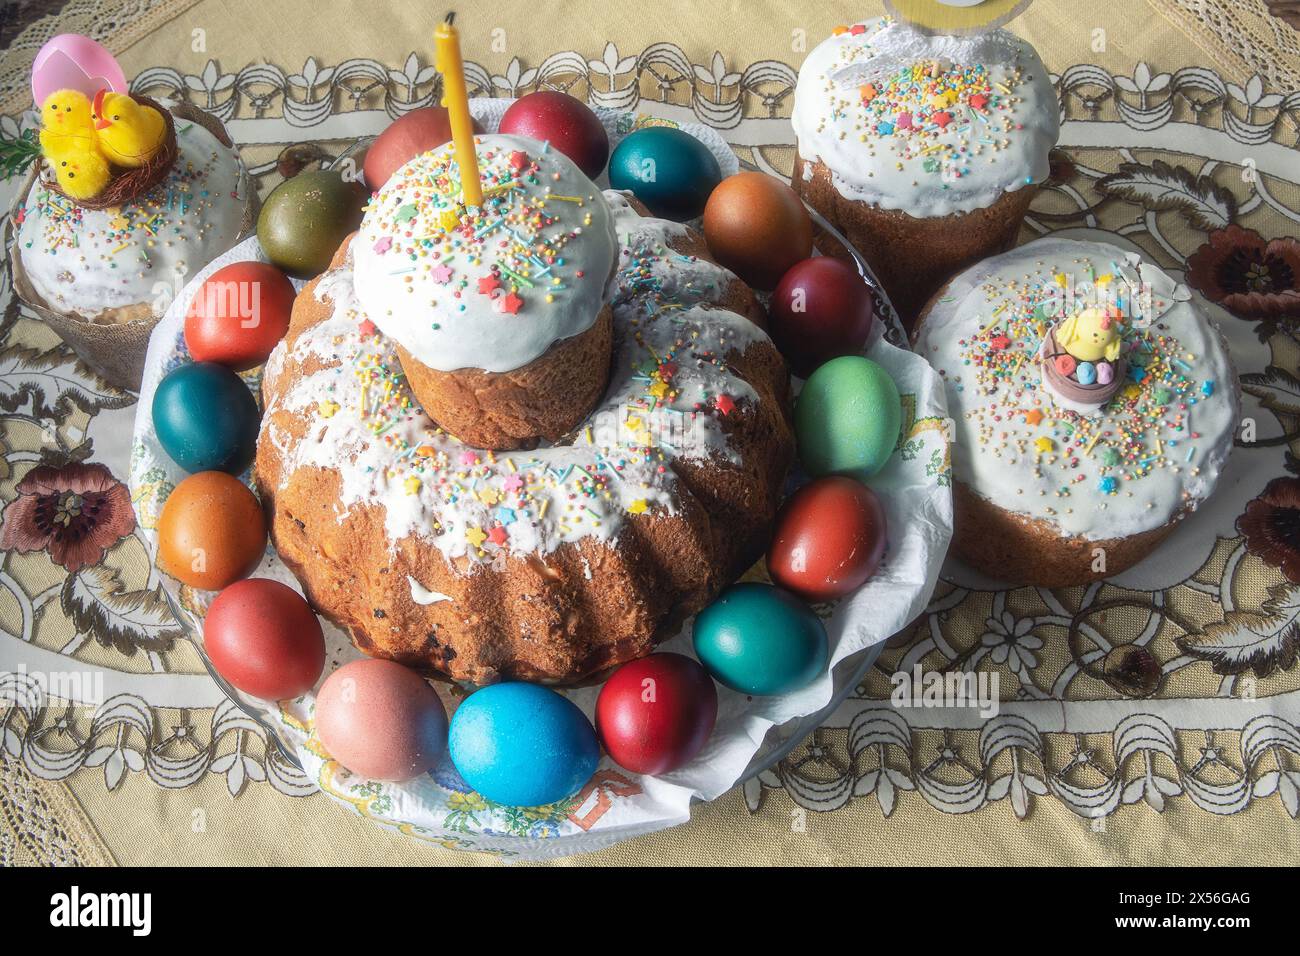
x: 498, y: 313
x: 923, y: 150
x: 551, y: 564
x: 1094, y: 404
x: 125, y: 263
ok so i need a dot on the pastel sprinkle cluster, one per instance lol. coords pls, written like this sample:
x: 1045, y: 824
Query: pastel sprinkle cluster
x: 1148, y: 425
x: 179, y: 205
x: 938, y: 117
x: 510, y: 250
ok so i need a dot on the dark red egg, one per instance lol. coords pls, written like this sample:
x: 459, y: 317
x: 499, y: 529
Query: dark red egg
x: 405, y: 138
x: 564, y: 121
x: 264, y: 639
x: 655, y: 714
x: 821, y: 309
x: 238, y: 315
x: 829, y: 540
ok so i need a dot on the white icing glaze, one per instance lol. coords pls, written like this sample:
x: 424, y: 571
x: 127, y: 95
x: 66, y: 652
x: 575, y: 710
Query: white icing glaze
x: 89, y: 260
x: 1159, y: 470
x: 926, y: 170
x: 543, y: 243
x: 662, y: 404
x: 423, y: 596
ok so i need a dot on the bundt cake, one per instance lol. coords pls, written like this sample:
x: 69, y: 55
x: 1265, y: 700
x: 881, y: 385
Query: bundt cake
x: 498, y: 312
x: 546, y: 565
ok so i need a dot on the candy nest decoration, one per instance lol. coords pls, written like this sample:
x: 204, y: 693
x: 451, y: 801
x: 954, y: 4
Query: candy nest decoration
x: 611, y: 765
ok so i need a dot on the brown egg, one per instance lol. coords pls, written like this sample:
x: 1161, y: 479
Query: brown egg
x: 212, y: 531
x: 757, y: 227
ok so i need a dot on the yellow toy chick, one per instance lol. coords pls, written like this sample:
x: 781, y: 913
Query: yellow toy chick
x: 129, y: 133
x: 69, y: 145
x: 1091, y: 335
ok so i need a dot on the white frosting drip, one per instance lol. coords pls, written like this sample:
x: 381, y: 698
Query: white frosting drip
x: 419, y: 282
x: 423, y: 596
x: 893, y: 170
x: 541, y: 498
x: 90, y: 260
x: 995, y: 448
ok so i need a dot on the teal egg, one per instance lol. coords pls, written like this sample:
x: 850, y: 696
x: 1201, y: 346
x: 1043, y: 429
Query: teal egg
x: 847, y: 418
x: 670, y: 171
x: 522, y: 745
x: 206, y: 419
x: 760, y: 640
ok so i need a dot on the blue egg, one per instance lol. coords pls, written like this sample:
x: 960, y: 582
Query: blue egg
x: 670, y: 171
x: 206, y: 418
x: 1086, y: 373
x: 761, y: 640
x: 522, y: 745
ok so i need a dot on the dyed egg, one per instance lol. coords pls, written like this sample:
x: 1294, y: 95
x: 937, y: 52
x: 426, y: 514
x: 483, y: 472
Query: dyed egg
x: 238, y: 315
x: 760, y: 640
x: 757, y: 227
x: 264, y: 639
x: 670, y: 171
x: 655, y: 714
x: 522, y: 745
x: 206, y: 419
x: 406, y: 137
x: 211, y: 532
x: 821, y: 309
x: 564, y: 121
x: 306, y: 219
x: 847, y: 418
x: 381, y: 720
x: 829, y: 539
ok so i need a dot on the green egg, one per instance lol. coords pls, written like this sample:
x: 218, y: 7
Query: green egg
x: 760, y: 640
x: 847, y: 418
x: 306, y: 218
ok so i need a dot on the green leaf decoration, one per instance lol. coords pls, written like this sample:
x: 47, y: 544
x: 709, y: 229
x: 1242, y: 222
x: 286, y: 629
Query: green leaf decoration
x: 17, y: 153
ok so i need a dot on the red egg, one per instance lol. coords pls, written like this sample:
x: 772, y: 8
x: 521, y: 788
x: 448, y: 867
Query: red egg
x: 264, y: 639
x: 564, y: 121
x: 238, y: 315
x: 829, y: 540
x: 655, y: 714
x: 405, y: 138
x: 757, y: 227
x: 381, y: 720
x: 821, y: 309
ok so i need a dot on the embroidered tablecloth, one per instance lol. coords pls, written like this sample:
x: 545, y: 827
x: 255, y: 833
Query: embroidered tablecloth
x: 1145, y: 720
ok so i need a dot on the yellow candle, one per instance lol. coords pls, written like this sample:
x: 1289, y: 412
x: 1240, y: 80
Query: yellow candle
x: 456, y: 100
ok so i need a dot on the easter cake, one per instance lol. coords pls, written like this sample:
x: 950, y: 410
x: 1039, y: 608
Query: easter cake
x: 1094, y: 404
x: 127, y: 197
x: 550, y: 564
x: 500, y: 318
x: 923, y: 150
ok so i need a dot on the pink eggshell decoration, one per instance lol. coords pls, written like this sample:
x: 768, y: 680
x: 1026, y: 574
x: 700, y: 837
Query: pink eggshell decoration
x: 71, y: 61
x: 381, y: 720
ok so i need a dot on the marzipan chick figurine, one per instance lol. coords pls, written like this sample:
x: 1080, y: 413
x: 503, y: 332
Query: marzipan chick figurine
x: 1091, y: 335
x: 68, y: 142
x: 129, y: 133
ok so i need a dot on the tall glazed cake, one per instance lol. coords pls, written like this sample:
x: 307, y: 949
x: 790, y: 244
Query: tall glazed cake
x: 924, y: 150
x: 1094, y: 404
x: 499, y: 313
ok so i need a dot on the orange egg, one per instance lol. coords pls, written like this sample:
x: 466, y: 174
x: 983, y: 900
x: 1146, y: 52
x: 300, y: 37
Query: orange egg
x: 757, y: 227
x: 212, y: 531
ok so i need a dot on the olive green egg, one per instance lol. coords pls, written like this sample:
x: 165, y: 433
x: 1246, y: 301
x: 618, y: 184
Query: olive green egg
x: 306, y: 218
x: 847, y: 418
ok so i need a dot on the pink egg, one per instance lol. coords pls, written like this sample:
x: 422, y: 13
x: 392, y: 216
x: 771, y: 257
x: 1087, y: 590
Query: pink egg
x: 71, y: 61
x: 381, y: 720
